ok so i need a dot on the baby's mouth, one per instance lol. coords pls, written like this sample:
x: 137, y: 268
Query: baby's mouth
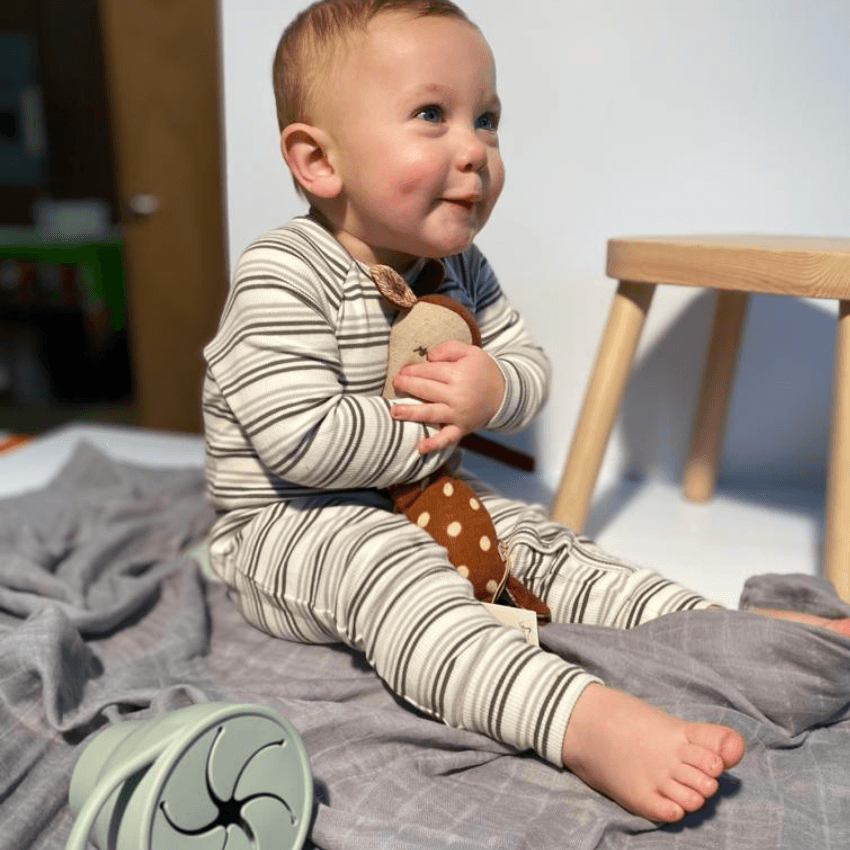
x: 464, y: 203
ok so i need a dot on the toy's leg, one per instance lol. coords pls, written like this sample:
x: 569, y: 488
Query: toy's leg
x: 450, y: 511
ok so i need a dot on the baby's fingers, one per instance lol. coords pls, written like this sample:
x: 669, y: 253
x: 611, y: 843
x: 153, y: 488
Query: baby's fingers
x: 447, y: 436
x: 423, y: 380
x: 434, y: 414
x: 449, y: 350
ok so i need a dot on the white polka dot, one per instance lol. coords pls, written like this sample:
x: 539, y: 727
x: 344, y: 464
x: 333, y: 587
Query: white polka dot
x: 424, y: 519
x: 474, y: 504
x: 454, y: 529
x: 492, y: 586
x: 463, y: 570
x: 448, y: 489
x: 485, y: 544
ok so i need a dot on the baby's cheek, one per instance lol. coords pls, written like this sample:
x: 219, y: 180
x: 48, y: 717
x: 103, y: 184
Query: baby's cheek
x: 417, y: 173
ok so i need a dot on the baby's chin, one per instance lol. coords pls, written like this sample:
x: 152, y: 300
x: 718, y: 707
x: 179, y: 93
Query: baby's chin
x: 451, y: 246
x: 442, y: 245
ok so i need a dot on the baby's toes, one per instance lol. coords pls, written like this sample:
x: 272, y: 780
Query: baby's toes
x: 719, y: 740
x: 662, y: 807
x: 706, y: 761
x: 696, y: 779
x: 682, y: 795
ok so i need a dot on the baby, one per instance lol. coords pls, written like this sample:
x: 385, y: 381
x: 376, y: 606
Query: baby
x: 389, y: 118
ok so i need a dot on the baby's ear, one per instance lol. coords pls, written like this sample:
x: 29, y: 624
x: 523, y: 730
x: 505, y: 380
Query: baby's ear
x: 305, y: 149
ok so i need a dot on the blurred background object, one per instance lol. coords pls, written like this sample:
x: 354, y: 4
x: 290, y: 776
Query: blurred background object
x: 110, y: 195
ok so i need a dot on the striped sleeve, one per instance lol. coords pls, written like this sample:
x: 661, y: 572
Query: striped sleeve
x: 280, y: 382
x: 524, y: 365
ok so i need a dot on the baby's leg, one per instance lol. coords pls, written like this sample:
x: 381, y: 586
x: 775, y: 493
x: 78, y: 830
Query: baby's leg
x: 379, y: 583
x: 650, y: 762
x: 579, y: 581
x: 325, y: 571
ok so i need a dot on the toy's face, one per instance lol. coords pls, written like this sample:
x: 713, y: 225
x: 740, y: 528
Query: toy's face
x: 416, y: 332
x: 413, y: 124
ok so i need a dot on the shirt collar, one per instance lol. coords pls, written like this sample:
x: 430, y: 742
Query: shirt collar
x: 424, y: 276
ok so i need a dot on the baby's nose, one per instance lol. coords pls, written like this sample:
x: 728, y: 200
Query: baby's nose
x: 473, y: 153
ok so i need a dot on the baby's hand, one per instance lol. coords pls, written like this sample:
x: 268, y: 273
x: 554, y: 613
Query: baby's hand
x: 461, y: 387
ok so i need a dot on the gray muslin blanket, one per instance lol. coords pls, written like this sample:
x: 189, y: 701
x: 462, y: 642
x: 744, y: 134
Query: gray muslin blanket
x: 103, y: 619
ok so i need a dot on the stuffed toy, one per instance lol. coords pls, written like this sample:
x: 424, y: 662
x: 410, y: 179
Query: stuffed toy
x: 443, y: 504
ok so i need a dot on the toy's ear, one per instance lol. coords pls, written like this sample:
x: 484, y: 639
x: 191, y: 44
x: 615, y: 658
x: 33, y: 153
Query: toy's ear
x: 306, y: 151
x: 456, y: 307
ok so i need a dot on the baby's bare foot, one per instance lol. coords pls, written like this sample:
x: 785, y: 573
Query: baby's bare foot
x: 840, y: 625
x: 650, y: 762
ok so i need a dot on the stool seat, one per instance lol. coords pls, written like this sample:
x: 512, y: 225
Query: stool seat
x: 802, y: 266
x: 734, y: 265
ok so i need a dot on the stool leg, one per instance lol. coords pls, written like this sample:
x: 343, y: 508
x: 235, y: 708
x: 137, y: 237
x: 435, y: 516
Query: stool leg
x: 836, y: 543
x: 601, y: 401
x: 700, y: 475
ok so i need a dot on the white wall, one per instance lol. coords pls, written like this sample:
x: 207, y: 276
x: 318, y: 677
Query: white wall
x: 623, y: 117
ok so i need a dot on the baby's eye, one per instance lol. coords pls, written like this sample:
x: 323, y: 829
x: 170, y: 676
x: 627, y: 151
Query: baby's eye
x: 488, y: 121
x: 430, y: 113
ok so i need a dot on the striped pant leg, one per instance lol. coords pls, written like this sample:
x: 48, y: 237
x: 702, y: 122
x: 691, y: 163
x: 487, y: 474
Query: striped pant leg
x: 376, y: 582
x: 579, y: 581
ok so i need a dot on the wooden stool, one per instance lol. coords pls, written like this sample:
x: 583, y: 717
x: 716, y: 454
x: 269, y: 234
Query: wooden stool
x: 735, y: 266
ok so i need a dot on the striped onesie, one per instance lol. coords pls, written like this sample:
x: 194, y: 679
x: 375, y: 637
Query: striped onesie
x: 300, y: 450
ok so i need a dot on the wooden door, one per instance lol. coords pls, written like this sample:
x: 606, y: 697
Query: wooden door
x: 162, y: 68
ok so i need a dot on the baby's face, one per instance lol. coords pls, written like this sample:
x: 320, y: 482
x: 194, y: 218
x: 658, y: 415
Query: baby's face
x: 413, y: 125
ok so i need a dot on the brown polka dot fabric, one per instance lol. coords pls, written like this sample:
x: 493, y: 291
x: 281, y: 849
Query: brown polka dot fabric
x: 442, y: 507
x: 449, y: 510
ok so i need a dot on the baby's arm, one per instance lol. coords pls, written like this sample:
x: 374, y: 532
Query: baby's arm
x: 278, y: 363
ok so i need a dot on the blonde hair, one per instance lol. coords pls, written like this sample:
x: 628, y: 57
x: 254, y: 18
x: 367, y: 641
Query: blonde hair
x: 314, y: 40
